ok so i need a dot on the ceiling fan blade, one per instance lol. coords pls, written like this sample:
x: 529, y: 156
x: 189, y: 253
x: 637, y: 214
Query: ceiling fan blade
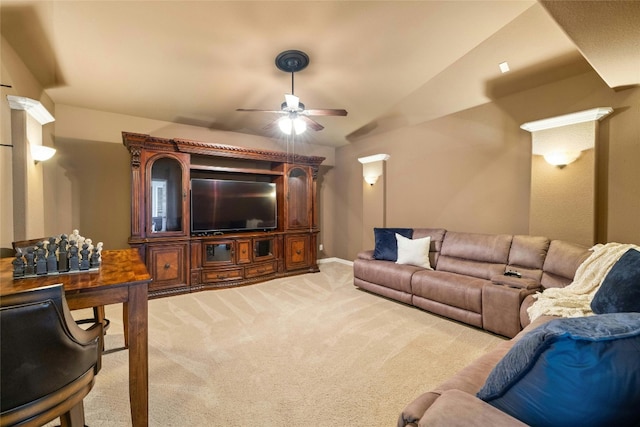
x: 325, y: 112
x: 272, y: 125
x: 311, y: 123
x: 292, y: 101
x: 256, y: 110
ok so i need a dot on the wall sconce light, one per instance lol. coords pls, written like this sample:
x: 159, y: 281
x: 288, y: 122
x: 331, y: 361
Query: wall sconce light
x: 371, y: 179
x: 40, y: 153
x: 562, y: 158
x: 373, y: 167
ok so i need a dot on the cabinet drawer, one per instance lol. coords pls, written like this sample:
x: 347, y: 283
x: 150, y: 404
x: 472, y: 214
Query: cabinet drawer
x: 260, y: 269
x: 209, y: 276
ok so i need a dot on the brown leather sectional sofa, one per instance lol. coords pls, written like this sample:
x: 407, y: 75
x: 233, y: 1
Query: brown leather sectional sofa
x: 468, y: 281
x: 468, y: 284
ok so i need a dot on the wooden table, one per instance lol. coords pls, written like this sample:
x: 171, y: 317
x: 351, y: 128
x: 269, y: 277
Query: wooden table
x: 122, y: 278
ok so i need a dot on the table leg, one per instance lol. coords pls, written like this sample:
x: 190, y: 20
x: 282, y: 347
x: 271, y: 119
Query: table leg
x: 137, y: 318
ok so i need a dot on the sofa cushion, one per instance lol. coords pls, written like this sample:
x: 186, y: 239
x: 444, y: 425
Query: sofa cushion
x: 562, y: 261
x: 386, y: 245
x: 455, y: 290
x: 591, y: 363
x: 413, y: 251
x: 384, y: 273
x: 493, y: 248
x: 620, y: 289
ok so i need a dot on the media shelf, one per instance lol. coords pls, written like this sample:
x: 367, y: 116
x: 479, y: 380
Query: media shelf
x: 181, y: 261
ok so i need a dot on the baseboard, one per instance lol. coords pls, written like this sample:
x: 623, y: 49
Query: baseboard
x: 335, y: 259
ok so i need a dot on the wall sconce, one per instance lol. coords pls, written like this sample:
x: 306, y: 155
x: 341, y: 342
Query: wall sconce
x: 371, y: 179
x: 40, y: 153
x: 562, y: 158
x: 373, y: 167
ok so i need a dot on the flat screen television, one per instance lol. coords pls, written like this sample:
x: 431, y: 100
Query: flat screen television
x: 221, y: 205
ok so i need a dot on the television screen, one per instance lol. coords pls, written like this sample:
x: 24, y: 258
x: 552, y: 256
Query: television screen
x: 227, y: 205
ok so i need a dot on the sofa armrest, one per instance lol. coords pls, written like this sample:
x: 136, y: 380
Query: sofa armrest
x: 516, y: 282
x: 455, y: 408
x: 368, y: 255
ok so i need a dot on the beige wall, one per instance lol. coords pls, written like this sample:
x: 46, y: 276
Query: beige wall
x: 470, y: 171
x: 563, y: 200
x: 33, y: 192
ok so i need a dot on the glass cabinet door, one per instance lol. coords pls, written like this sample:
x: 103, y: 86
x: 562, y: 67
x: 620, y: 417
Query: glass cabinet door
x: 220, y: 252
x: 166, y: 197
x: 263, y: 249
x: 298, y: 213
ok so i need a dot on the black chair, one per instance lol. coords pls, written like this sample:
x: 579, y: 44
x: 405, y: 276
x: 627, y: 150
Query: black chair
x: 48, y: 363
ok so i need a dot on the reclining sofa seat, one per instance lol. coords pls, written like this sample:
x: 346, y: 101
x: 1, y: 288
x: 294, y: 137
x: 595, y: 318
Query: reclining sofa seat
x: 467, y: 282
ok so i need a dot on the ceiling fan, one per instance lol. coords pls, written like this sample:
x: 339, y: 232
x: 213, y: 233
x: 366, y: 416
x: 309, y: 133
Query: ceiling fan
x: 295, y: 118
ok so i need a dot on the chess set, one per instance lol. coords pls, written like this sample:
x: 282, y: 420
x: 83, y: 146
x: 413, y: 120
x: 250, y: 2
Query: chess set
x: 61, y: 254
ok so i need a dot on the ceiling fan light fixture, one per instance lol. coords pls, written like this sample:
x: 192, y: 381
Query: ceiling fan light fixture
x: 288, y: 125
x: 299, y: 125
x: 285, y: 125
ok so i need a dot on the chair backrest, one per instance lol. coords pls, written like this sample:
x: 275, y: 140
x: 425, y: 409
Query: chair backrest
x: 24, y: 244
x: 44, y: 355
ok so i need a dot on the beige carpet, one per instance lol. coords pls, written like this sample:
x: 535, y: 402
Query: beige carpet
x: 309, y: 350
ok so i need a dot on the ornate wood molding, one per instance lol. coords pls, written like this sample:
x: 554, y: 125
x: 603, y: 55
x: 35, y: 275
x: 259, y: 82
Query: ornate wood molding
x: 132, y: 140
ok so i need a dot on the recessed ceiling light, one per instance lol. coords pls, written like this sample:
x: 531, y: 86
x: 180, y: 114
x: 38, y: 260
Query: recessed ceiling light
x: 504, y: 67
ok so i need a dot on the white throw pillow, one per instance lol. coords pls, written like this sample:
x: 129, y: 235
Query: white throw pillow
x: 413, y: 251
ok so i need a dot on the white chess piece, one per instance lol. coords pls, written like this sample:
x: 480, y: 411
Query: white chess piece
x: 99, y: 249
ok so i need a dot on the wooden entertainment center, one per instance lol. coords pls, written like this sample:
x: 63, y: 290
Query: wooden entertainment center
x: 181, y: 261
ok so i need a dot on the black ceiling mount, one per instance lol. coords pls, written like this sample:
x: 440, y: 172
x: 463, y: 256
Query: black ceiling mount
x: 292, y: 61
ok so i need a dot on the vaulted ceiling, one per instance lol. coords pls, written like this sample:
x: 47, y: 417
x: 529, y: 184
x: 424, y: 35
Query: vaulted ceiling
x: 389, y: 64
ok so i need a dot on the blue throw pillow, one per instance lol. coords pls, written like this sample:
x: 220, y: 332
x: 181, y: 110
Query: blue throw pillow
x: 620, y: 290
x: 386, y: 244
x: 582, y: 371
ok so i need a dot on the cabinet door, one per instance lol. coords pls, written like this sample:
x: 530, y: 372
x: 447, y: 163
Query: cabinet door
x: 167, y: 264
x: 166, y: 200
x: 264, y: 249
x: 218, y: 253
x: 297, y: 251
x: 244, y: 252
x: 298, y: 210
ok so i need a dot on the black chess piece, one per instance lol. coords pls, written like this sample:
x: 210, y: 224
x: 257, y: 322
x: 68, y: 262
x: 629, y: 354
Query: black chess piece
x: 41, y: 259
x: 52, y: 260
x: 74, y: 262
x: 95, y: 258
x: 30, y: 268
x: 63, y: 256
x: 84, y: 257
x: 18, y: 264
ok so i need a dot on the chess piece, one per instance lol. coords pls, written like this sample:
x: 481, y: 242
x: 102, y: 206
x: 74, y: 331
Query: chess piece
x: 18, y: 264
x: 74, y: 262
x: 41, y: 259
x: 84, y: 257
x: 30, y: 268
x: 99, y: 246
x: 95, y: 258
x: 63, y: 256
x: 75, y: 235
x: 52, y: 260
